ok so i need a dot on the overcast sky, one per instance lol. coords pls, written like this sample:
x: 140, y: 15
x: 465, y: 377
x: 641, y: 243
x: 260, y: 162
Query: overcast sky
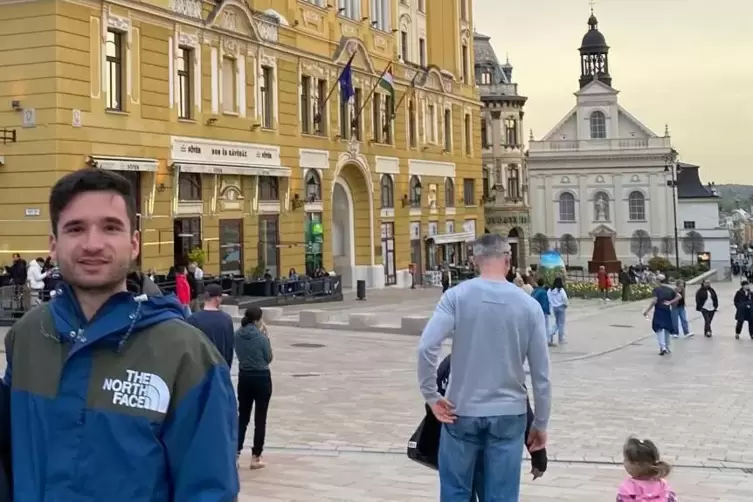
x: 686, y: 63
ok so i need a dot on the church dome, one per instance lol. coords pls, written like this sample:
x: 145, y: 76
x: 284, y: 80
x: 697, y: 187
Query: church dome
x: 593, y: 39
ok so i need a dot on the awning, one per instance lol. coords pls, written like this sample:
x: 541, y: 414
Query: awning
x: 452, y: 238
x: 126, y: 164
x: 236, y: 169
x: 2, y: 160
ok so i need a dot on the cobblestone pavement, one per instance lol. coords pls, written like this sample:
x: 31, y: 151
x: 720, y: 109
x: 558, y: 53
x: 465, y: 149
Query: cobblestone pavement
x: 348, y: 477
x: 345, y: 404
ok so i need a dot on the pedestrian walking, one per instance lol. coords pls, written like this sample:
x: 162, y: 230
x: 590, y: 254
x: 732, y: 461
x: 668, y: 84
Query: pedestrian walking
x: 495, y: 327
x: 114, y: 397
x: 527, y: 284
x: 680, y: 313
x: 558, y: 302
x: 626, y: 279
x: 254, y: 381
x: 216, y: 324
x: 743, y: 302
x: 647, y: 474
x: 604, y: 282
x: 540, y: 295
x: 707, y: 303
x: 183, y: 289
x: 664, y: 298
x: 35, y: 276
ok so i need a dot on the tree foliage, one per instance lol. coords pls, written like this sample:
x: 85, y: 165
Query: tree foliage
x: 692, y: 243
x: 539, y: 244
x: 568, y: 245
x: 640, y: 244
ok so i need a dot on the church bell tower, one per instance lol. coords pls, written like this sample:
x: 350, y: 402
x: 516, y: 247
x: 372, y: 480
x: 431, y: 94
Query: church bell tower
x: 594, y: 55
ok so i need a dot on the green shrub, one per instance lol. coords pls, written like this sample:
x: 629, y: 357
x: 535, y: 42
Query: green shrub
x: 548, y: 274
x: 659, y: 264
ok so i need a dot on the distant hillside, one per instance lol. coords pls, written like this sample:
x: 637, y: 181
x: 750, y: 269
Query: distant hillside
x: 735, y: 196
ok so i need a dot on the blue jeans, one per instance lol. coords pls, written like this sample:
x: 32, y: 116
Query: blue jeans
x: 662, y: 337
x: 491, y: 444
x: 680, y: 319
x: 559, y: 324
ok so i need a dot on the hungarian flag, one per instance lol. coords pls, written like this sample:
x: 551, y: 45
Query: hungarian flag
x: 388, y: 84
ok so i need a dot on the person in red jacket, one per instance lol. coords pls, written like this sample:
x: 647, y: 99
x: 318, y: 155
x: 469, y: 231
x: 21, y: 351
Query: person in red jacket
x: 182, y: 289
x: 604, y: 283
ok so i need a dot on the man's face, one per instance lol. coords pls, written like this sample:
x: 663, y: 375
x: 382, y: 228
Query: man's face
x: 95, y: 244
x: 16, y: 258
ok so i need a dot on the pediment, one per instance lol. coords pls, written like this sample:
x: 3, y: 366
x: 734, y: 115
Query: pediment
x: 632, y: 127
x: 566, y: 129
x: 354, y: 47
x: 234, y: 16
x: 597, y: 88
x: 603, y: 231
x: 432, y: 79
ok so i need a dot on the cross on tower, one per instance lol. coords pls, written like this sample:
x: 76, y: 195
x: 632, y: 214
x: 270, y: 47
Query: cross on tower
x: 592, y: 3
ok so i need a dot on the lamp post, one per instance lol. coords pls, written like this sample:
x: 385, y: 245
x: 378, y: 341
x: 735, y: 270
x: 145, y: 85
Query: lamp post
x: 672, y: 168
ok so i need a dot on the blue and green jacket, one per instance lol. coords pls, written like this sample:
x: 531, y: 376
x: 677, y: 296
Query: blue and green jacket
x: 134, y: 405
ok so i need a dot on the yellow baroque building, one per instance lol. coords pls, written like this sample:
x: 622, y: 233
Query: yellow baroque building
x: 226, y: 116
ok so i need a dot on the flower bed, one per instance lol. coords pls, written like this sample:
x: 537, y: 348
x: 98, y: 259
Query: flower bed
x: 590, y: 289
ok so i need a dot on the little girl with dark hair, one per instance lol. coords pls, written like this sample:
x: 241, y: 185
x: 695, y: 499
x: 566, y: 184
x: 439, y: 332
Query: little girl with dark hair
x: 647, y: 472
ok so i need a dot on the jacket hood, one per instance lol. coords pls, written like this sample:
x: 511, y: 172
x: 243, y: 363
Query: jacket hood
x: 122, y: 315
x: 248, y: 332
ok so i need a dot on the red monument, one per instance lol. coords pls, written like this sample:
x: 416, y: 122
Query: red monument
x: 604, y: 253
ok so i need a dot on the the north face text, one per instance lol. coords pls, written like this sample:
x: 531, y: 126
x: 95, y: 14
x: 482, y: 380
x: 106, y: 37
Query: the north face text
x: 139, y: 390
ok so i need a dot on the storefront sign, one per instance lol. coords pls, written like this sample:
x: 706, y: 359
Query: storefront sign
x: 514, y: 219
x: 126, y: 164
x: 198, y: 150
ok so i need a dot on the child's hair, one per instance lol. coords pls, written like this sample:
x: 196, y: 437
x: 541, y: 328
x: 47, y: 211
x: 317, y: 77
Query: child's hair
x: 643, y: 456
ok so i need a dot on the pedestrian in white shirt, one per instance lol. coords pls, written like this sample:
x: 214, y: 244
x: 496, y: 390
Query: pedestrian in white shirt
x: 558, y: 302
x: 35, y: 277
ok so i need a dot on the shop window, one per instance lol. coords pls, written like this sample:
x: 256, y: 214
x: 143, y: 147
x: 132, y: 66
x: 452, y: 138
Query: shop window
x: 269, y: 188
x: 231, y: 247
x: 189, y: 186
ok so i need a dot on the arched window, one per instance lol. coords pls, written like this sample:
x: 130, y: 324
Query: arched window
x: 449, y: 193
x: 511, y: 131
x: 601, y: 206
x: 415, y: 192
x: 567, y: 207
x: 598, y: 125
x: 313, y: 186
x: 513, y: 181
x: 268, y: 188
x: 636, y: 206
x: 388, y: 192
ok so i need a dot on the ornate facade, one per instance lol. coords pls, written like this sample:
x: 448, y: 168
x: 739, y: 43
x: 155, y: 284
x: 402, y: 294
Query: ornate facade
x: 599, y: 179
x: 503, y: 155
x: 226, y: 116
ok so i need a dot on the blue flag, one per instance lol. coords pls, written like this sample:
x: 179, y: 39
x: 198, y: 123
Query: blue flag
x: 346, y: 82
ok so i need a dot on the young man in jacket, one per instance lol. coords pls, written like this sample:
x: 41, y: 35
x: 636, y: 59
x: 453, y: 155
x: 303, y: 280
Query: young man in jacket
x: 113, y: 396
x: 743, y: 302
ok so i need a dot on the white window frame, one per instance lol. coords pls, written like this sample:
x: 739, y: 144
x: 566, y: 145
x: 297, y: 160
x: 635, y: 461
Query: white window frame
x: 381, y: 15
x: 123, y: 26
x: 351, y: 9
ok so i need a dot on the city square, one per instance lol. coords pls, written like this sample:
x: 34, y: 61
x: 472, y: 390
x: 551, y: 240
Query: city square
x: 345, y: 404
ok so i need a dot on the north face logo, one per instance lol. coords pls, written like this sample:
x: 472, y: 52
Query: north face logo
x: 145, y: 391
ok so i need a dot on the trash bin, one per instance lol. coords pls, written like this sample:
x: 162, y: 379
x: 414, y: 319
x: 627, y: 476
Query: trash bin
x: 361, y: 289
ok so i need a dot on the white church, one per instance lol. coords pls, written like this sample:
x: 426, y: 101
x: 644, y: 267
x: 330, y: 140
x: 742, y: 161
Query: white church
x: 601, y: 182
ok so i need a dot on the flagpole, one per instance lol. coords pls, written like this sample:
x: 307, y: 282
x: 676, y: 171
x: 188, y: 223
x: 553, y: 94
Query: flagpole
x: 371, y: 93
x: 402, y: 98
x: 332, y: 89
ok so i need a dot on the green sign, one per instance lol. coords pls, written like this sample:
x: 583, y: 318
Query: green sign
x: 314, y: 237
x: 514, y: 219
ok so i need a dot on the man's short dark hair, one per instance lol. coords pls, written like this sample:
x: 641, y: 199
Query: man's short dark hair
x: 541, y: 282
x: 90, y: 179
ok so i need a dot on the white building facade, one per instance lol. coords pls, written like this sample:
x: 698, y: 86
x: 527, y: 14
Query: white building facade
x: 599, y: 173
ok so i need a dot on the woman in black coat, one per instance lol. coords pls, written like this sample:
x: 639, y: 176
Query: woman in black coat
x: 743, y: 309
x: 707, y: 303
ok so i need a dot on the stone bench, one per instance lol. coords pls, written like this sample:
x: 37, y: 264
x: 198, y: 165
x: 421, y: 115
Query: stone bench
x: 362, y: 321
x: 413, y: 325
x: 232, y: 310
x: 271, y: 314
x: 312, y: 318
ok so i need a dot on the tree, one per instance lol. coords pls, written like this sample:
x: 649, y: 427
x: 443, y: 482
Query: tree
x: 668, y: 245
x: 692, y: 244
x: 640, y: 244
x: 568, y: 246
x: 539, y: 244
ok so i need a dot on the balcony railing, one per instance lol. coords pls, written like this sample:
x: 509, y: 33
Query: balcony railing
x: 600, y: 145
x: 497, y: 89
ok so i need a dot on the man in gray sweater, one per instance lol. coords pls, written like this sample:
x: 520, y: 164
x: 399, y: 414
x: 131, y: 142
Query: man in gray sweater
x: 494, y: 326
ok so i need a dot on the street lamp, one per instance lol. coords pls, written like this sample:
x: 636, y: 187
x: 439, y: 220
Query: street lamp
x: 672, y: 168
